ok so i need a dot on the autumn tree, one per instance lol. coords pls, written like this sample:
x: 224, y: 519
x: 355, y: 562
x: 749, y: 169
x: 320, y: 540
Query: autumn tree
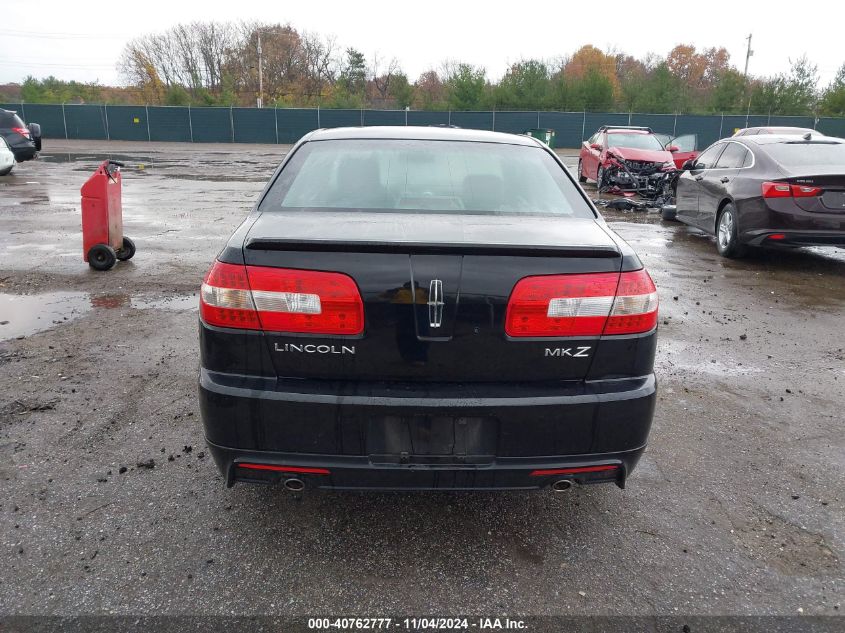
x: 429, y: 91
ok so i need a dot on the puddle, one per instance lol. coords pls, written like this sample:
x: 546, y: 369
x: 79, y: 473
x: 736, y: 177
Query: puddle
x: 23, y: 315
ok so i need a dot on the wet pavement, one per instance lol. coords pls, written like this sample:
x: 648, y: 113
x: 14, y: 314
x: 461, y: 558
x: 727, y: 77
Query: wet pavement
x: 736, y: 508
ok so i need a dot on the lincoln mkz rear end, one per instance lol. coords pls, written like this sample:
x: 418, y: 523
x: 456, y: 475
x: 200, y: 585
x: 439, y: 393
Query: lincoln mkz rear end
x: 425, y: 308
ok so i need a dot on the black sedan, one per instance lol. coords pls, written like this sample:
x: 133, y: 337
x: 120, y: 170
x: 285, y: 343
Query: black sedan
x: 426, y: 308
x: 767, y: 190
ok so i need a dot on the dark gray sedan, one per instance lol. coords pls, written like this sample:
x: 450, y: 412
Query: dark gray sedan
x: 768, y: 190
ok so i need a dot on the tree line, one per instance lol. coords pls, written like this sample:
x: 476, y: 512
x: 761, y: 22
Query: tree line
x: 212, y: 63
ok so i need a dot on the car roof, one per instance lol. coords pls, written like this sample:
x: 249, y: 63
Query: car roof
x: 627, y: 131
x: 411, y: 132
x: 772, y: 139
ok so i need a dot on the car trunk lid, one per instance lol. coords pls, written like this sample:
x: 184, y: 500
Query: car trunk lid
x: 435, y: 289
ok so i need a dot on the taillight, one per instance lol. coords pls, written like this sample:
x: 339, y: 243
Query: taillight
x: 281, y: 300
x: 225, y: 299
x: 22, y: 131
x: 306, y: 301
x: 582, y: 305
x: 785, y: 190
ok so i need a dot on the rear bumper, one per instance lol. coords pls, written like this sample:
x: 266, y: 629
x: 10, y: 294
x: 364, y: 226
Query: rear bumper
x: 813, y: 237
x: 425, y: 436
x: 360, y: 473
x: 24, y: 153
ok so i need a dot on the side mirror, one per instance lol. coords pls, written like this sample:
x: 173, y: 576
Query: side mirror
x: 595, y: 146
x: 688, y: 165
x: 673, y: 149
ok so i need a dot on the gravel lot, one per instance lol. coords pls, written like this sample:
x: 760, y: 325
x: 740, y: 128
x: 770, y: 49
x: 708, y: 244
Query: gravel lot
x: 110, y: 504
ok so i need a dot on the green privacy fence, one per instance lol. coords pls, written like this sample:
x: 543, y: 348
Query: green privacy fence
x: 287, y: 125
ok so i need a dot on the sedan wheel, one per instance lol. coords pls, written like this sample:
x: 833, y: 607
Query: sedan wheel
x: 727, y: 242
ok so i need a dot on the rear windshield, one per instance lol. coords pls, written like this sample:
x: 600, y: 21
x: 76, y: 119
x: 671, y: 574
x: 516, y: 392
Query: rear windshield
x: 10, y: 119
x: 395, y: 175
x: 805, y: 154
x: 634, y: 141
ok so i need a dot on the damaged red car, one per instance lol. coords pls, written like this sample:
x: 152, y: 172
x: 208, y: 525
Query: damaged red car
x: 629, y: 158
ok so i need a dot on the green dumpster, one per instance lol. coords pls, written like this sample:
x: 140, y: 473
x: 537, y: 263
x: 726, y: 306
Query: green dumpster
x: 547, y: 136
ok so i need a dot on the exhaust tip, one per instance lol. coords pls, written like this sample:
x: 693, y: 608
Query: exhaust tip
x: 294, y: 485
x: 562, y: 485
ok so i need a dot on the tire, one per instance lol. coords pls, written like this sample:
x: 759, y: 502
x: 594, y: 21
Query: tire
x: 8, y: 171
x: 727, y: 242
x: 101, y: 257
x: 599, y: 177
x: 127, y: 251
x: 581, y: 177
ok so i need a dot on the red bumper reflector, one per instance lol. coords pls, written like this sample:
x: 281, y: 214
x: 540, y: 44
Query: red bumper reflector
x: 777, y: 236
x: 573, y: 471
x: 305, y: 470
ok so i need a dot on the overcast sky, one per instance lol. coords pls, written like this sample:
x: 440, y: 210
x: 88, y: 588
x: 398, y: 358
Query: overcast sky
x: 82, y: 41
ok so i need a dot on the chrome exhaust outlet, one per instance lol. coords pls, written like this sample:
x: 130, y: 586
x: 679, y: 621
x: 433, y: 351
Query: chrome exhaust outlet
x: 294, y: 485
x: 561, y: 485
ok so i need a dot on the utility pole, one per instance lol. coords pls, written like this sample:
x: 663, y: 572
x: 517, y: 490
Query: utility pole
x: 748, y: 55
x: 260, y: 100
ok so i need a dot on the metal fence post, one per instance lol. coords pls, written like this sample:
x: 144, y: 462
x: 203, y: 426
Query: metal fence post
x: 147, y: 116
x: 494, y: 121
x: 106, y: 118
x: 406, y: 117
x: 721, y: 124
x: 449, y: 118
x: 232, y: 122
x: 538, y: 119
x: 318, y: 115
x: 629, y: 117
x: 276, y: 121
x: 64, y: 119
x: 675, y: 125
x: 583, y: 125
x: 190, y: 123
x: 23, y: 111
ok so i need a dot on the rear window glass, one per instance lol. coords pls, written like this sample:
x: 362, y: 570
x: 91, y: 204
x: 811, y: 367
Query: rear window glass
x: 634, y: 141
x: 802, y: 154
x: 10, y: 119
x: 415, y: 176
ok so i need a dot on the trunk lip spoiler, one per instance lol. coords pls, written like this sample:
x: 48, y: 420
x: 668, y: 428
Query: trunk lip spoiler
x: 364, y: 246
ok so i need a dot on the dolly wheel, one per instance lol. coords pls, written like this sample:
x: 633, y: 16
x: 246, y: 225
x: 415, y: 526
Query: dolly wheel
x: 127, y: 251
x: 101, y: 257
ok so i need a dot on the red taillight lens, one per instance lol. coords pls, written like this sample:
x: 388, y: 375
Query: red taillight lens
x: 22, y: 131
x: 635, y: 307
x: 803, y: 191
x: 306, y: 301
x: 582, y: 305
x: 785, y: 190
x: 305, y: 470
x: 225, y: 299
x: 281, y: 300
x: 573, y: 471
